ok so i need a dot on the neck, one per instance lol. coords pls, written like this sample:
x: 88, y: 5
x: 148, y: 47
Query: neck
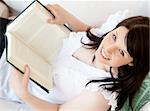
x: 99, y: 65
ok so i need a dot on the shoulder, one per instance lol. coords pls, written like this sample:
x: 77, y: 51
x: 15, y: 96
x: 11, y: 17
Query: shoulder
x: 76, y: 36
x: 86, y: 101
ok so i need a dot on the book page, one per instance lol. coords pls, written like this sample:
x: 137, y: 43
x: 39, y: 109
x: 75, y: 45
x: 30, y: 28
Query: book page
x: 48, y: 41
x: 44, y: 38
x: 33, y: 41
x: 19, y: 55
x: 27, y: 27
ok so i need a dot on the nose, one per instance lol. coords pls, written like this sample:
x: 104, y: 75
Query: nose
x: 110, y: 49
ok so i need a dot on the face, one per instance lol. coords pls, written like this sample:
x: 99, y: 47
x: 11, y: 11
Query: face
x: 113, y: 49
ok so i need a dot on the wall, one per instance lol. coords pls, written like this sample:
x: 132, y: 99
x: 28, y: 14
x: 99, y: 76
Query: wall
x: 90, y: 11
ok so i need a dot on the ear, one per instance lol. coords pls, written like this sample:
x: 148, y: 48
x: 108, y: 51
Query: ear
x: 131, y: 64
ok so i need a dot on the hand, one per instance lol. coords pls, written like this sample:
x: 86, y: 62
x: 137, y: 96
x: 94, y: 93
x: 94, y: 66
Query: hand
x: 61, y: 15
x: 19, y: 82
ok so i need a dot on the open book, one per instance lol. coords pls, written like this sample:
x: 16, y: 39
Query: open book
x: 33, y: 41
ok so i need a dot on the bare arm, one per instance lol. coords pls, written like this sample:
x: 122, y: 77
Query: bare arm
x: 86, y: 101
x: 64, y: 17
x: 39, y: 104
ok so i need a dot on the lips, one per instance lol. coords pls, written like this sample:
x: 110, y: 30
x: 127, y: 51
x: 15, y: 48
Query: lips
x: 104, y: 55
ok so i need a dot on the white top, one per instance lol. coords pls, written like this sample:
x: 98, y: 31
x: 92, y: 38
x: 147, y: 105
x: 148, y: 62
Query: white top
x: 70, y: 76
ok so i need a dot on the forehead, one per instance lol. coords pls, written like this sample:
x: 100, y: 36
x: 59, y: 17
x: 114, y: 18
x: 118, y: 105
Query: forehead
x: 121, y: 31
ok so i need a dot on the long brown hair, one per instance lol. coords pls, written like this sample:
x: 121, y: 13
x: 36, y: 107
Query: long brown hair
x: 129, y: 77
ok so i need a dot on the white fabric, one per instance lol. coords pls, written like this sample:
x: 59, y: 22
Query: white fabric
x: 110, y: 23
x: 5, y: 89
x: 7, y: 105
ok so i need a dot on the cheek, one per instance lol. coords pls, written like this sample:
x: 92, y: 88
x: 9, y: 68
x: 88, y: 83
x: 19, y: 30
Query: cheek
x: 106, y: 40
x: 117, y: 62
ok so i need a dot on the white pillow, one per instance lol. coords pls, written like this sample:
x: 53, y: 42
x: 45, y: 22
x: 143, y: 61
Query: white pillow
x: 110, y: 23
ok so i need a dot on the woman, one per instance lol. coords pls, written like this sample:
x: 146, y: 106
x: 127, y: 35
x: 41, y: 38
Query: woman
x: 104, y: 71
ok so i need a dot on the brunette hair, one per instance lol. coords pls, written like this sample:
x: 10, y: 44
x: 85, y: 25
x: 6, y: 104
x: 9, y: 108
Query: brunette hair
x: 129, y: 77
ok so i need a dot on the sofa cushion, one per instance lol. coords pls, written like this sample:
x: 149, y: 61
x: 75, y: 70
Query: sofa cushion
x: 141, y: 97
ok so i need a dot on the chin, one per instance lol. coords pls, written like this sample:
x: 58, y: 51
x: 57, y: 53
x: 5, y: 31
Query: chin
x: 101, y: 60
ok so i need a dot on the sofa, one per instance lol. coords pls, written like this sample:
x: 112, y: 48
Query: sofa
x: 95, y: 17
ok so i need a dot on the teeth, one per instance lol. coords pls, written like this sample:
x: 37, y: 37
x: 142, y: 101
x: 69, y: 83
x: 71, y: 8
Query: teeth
x: 104, y: 55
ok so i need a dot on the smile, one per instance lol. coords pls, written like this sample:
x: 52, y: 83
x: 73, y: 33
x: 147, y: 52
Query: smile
x: 104, y: 55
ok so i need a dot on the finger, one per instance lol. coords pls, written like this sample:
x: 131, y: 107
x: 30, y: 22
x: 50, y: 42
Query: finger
x: 26, y: 74
x: 52, y: 21
x: 51, y: 8
x: 15, y: 75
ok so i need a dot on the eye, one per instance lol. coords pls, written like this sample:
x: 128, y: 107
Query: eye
x: 114, y: 37
x: 121, y: 52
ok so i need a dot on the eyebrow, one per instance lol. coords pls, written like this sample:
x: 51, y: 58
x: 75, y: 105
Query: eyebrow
x: 124, y: 41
